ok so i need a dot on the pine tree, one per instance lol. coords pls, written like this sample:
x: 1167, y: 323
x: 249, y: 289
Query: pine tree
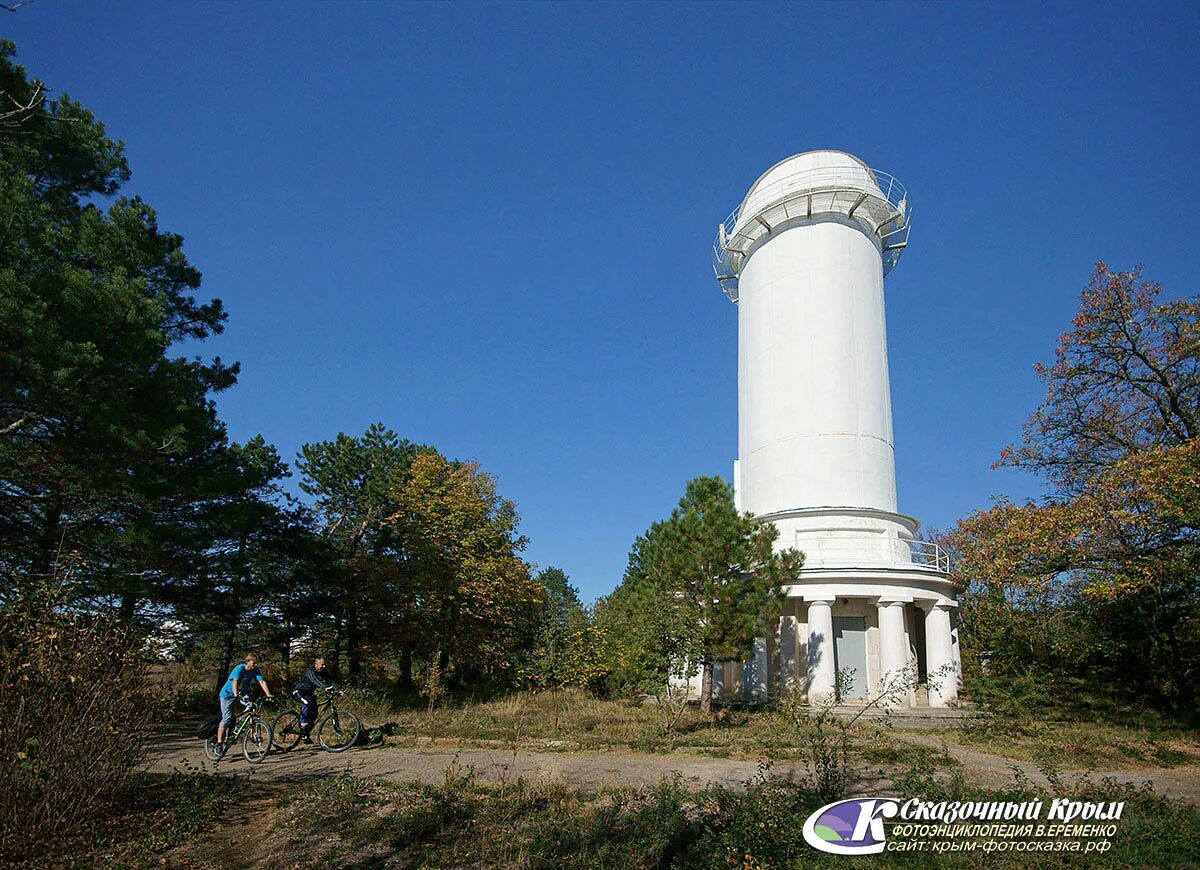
x: 722, y: 567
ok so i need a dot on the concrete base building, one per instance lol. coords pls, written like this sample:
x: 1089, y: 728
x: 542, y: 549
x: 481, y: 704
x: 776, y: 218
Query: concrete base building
x: 804, y: 258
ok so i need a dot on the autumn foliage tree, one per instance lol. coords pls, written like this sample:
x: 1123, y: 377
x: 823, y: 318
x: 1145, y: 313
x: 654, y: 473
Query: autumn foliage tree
x: 1125, y: 381
x: 1103, y: 572
x: 475, y: 602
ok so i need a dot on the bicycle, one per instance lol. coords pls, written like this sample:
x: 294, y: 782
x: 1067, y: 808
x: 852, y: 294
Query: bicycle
x: 337, y: 730
x: 254, y: 730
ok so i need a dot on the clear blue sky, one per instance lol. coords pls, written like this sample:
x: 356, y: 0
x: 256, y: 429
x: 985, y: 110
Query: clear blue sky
x: 488, y: 225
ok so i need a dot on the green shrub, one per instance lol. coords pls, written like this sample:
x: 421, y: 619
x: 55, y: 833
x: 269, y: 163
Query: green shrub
x: 762, y: 827
x: 1015, y: 696
x: 371, y: 705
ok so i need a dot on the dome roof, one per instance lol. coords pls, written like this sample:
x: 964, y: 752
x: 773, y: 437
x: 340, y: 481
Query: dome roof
x: 815, y: 168
x: 806, y: 186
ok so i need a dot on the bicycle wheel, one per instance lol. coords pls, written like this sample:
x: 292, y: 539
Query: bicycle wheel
x: 286, y: 731
x: 256, y: 742
x: 210, y: 749
x: 338, y: 731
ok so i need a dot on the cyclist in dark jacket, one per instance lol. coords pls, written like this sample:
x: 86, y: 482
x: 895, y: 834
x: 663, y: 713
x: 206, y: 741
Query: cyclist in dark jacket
x: 316, y: 677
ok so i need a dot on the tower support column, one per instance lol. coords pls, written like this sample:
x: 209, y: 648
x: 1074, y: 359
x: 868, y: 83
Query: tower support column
x: 822, y: 671
x: 789, y: 668
x: 754, y: 673
x: 893, y: 651
x: 939, y: 656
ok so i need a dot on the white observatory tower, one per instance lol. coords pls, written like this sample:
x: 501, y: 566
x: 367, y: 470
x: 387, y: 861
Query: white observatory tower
x: 804, y: 257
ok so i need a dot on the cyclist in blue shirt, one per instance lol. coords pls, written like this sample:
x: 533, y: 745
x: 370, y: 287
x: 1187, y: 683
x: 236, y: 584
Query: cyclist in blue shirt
x: 240, y: 680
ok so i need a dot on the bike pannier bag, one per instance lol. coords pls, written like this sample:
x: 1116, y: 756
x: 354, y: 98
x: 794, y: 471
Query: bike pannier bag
x: 208, y: 727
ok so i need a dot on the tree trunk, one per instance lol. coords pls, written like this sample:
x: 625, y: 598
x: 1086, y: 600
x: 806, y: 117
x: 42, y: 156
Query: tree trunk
x: 223, y: 667
x: 335, y: 648
x: 1180, y: 677
x: 406, y: 668
x: 353, y: 640
x: 285, y: 649
x: 706, y: 689
x: 48, y: 540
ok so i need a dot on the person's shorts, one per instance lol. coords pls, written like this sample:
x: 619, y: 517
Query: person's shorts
x: 227, y: 710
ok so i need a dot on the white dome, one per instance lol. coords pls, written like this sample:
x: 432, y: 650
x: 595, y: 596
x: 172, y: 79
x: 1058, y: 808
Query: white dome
x: 809, y: 170
x: 814, y: 185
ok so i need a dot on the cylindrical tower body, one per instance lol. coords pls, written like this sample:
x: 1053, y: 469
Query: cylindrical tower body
x: 804, y: 256
x: 814, y: 413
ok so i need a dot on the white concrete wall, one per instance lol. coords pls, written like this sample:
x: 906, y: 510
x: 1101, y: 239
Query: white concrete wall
x: 801, y: 648
x: 788, y: 680
x: 756, y: 674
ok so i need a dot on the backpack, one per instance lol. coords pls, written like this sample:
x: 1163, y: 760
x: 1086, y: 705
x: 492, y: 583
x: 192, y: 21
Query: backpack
x: 208, y: 727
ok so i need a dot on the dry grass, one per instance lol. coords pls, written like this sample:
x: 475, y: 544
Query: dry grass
x: 577, y: 720
x: 1082, y: 744
x: 345, y: 822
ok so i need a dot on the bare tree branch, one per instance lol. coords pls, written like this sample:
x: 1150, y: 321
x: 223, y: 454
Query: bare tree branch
x: 14, y: 426
x: 22, y: 110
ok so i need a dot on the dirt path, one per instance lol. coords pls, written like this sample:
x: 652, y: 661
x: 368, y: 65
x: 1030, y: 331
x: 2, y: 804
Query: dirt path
x: 588, y: 770
x: 592, y: 770
x: 995, y: 771
x: 237, y: 842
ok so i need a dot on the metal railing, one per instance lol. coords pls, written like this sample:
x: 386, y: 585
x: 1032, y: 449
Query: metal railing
x: 875, y: 197
x: 930, y: 555
x: 840, y: 550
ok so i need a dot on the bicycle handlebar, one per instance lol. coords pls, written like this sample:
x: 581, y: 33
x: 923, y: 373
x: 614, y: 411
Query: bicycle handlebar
x: 250, y: 701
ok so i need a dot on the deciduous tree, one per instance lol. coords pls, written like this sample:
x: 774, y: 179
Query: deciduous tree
x: 1125, y: 380
x: 567, y: 648
x: 475, y: 599
x: 1115, y: 544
